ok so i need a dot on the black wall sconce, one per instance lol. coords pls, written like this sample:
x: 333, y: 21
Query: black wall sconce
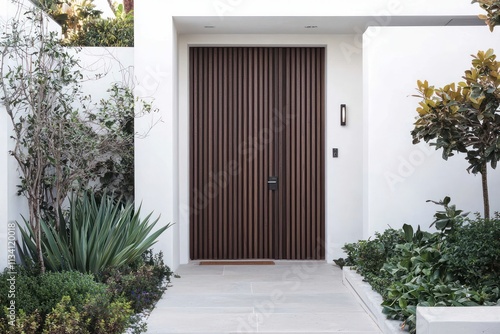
x: 343, y: 114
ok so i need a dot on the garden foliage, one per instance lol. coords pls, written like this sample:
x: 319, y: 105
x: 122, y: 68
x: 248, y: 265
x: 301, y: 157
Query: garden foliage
x: 457, y: 266
x: 98, y: 234
x: 70, y: 302
x: 464, y: 118
x: 492, y: 9
x: 83, y: 25
x: 116, y: 32
x: 65, y: 302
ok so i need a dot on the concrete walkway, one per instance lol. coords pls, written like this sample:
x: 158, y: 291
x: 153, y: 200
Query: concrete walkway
x: 289, y: 297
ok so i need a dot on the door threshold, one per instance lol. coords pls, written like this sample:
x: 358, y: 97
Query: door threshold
x: 238, y: 263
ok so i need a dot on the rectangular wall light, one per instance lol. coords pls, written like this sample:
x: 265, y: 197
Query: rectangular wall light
x: 343, y: 114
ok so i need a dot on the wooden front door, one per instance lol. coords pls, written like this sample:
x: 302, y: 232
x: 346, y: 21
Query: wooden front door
x: 257, y: 153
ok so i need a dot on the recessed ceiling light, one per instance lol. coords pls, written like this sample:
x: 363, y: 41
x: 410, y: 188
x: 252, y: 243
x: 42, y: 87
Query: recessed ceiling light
x: 209, y: 27
x: 311, y: 27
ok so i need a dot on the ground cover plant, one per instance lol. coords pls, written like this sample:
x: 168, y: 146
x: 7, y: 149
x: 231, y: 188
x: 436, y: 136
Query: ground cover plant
x: 71, y: 302
x: 458, y: 265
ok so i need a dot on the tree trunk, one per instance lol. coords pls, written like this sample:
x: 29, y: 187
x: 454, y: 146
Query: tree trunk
x: 128, y: 5
x: 111, y: 6
x: 34, y: 206
x: 486, y: 200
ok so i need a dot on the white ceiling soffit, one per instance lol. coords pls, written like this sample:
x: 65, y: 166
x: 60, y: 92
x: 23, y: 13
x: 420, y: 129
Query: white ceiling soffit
x: 309, y: 25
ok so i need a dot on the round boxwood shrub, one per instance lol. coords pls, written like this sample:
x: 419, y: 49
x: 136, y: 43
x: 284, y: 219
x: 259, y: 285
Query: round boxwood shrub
x: 62, y: 302
x: 44, y: 291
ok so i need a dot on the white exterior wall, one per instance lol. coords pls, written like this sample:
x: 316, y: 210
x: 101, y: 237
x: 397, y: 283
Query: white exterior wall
x: 156, y: 167
x: 356, y: 206
x: 400, y: 176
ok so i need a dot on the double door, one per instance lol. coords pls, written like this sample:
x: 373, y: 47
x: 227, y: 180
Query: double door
x: 257, y: 153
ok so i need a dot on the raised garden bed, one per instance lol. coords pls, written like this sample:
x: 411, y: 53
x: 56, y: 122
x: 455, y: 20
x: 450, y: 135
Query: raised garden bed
x: 457, y: 320
x: 370, y: 300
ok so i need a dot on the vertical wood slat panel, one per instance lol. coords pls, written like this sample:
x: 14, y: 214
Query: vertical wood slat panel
x: 269, y: 203
x: 304, y: 153
x: 234, y: 97
x: 228, y: 107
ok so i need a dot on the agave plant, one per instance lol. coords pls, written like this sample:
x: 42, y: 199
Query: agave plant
x: 93, y: 235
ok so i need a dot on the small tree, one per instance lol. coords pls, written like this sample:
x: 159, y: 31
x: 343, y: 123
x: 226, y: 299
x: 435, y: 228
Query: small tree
x: 60, y: 141
x: 492, y: 8
x: 464, y: 117
x: 38, y: 88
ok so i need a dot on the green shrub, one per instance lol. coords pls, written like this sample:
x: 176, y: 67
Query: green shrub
x: 369, y: 256
x: 24, y: 285
x: 420, y: 275
x: 142, y: 283
x: 160, y: 270
x: 105, y: 32
x: 77, y: 286
x: 63, y: 303
x: 473, y: 252
x: 99, y: 234
x: 43, y: 292
x: 101, y: 316
x: 64, y: 319
x: 24, y: 323
x: 457, y: 266
x: 412, y: 272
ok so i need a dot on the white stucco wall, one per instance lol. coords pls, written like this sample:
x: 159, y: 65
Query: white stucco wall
x: 352, y: 194
x: 156, y: 167
x: 400, y: 176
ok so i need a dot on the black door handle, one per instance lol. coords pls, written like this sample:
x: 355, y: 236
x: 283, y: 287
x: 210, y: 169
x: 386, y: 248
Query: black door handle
x: 272, y: 183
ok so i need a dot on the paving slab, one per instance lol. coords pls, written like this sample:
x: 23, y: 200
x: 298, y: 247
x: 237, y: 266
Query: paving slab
x: 289, y: 297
